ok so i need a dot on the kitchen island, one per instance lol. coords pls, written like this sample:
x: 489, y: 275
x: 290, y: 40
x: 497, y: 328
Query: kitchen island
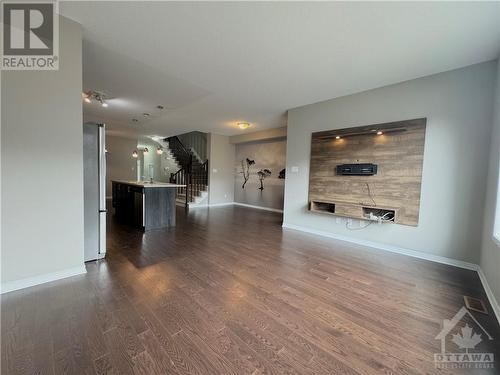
x: 144, y: 204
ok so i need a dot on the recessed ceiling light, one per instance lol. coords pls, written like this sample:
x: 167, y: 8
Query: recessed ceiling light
x: 337, y: 137
x: 145, y: 114
x: 160, y: 107
x: 135, y: 120
x: 243, y: 125
x: 380, y: 132
x: 104, y: 104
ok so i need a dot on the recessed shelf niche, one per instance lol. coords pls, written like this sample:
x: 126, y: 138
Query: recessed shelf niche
x: 324, y: 207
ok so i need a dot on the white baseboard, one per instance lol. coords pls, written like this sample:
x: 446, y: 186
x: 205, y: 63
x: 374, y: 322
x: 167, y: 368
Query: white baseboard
x: 191, y: 204
x: 220, y: 204
x: 491, y: 297
x: 392, y: 249
x: 41, y: 279
x: 198, y: 205
x: 258, y: 207
x: 239, y: 204
x: 412, y: 253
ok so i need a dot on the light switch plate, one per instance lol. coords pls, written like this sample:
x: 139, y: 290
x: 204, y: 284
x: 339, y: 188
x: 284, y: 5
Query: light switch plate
x: 215, y: 170
x: 295, y: 169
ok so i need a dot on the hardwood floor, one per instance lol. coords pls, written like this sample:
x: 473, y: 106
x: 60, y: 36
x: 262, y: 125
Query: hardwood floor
x: 229, y: 292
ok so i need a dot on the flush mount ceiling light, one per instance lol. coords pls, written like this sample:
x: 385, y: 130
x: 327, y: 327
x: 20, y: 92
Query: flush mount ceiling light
x: 97, y: 96
x: 159, y: 150
x: 243, y: 125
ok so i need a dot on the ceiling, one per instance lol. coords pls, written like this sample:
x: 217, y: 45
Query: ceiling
x: 213, y: 64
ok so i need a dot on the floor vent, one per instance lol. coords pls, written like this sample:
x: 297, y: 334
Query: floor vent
x: 475, y: 304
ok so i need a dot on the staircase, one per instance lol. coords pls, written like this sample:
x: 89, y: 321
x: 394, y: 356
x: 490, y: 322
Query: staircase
x: 193, y: 173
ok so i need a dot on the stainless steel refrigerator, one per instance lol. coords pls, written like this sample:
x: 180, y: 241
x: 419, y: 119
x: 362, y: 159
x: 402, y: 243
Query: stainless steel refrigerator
x: 94, y: 186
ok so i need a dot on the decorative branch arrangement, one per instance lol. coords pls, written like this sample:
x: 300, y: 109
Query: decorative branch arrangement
x: 245, y: 170
x: 263, y: 173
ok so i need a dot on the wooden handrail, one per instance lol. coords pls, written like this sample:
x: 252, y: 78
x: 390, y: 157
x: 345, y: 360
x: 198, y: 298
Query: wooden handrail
x: 193, y: 175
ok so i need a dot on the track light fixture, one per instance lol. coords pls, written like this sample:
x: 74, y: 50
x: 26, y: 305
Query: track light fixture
x: 146, y: 151
x: 97, y: 96
x: 134, y: 154
x: 159, y: 150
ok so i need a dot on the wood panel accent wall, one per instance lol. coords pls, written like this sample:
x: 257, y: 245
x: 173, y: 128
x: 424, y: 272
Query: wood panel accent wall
x: 398, y: 152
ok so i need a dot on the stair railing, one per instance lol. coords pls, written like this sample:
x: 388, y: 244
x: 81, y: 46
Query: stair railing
x: 192, y: 174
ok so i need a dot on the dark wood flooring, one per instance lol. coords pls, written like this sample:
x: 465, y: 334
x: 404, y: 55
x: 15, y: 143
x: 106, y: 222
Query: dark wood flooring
x: 229, y: 292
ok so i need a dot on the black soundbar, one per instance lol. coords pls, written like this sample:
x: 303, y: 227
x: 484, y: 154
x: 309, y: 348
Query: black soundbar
x: 357, y: 169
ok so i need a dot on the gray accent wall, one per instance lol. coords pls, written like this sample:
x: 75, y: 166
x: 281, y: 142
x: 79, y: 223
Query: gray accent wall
x: 120, y: 165
x: 458, y: 108
x: 42, y: 168
x: 269, y: 155
x: 220, y: 169
x: 490, y: 249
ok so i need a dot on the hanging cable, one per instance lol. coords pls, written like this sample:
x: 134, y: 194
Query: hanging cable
x: 366, y: 226
x: 370, y: 195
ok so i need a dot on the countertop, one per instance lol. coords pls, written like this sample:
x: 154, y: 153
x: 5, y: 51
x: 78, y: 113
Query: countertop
x: 147, y: 184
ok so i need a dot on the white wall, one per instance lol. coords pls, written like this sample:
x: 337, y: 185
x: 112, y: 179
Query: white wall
x: 490, y: 250
x: 120, y: 165
x: 458, y: 107
x: 42, y: 168
x: 221, y: 169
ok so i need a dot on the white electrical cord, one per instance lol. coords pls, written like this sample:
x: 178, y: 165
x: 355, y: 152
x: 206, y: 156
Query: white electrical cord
x: 370, y: 222
x: 382, y: 218
x: 366, y: 226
